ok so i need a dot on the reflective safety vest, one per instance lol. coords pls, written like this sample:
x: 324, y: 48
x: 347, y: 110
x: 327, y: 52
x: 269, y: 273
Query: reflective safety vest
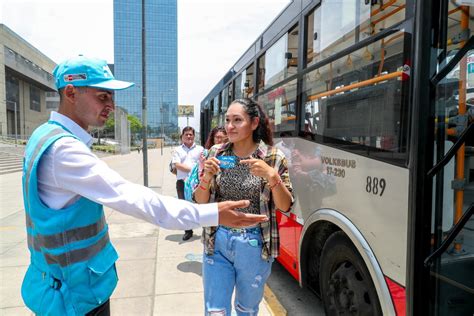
x: 72, y: 269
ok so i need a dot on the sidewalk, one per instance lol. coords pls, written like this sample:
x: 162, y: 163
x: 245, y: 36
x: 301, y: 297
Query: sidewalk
x: 159, y: 273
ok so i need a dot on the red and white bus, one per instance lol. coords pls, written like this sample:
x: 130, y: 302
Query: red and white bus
x: 372, y: 102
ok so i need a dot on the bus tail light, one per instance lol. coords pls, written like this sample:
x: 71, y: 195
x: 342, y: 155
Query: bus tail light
x: 398, y: 294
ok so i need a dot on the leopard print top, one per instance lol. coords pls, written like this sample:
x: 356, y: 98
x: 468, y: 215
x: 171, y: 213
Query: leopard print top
x: 239, y: 184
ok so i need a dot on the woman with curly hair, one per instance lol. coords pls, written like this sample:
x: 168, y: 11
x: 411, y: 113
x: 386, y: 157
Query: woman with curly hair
x: 247, y: 167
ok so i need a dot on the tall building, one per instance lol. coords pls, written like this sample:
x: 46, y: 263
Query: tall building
x: 161, y: 53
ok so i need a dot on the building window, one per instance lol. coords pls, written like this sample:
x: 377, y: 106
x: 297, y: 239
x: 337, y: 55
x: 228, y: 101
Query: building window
x: 35, y: 99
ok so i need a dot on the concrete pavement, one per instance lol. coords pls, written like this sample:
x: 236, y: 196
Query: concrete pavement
x: 159, y: 273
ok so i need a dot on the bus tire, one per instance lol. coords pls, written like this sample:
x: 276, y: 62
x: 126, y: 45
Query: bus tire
x: 345, y: 283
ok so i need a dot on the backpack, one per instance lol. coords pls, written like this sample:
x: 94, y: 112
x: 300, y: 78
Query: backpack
x: 191, y: 182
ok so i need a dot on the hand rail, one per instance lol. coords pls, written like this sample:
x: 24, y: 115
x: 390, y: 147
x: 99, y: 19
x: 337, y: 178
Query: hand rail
x: 357, y: 85
x: 452, y: 234
x: 452, y: 151
x: 453, y: 62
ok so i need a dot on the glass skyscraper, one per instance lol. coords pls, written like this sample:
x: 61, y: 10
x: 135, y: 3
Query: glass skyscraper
x: 161, y: 61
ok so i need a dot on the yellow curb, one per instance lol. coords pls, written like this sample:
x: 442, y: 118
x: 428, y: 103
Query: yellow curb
x: 274, y: 306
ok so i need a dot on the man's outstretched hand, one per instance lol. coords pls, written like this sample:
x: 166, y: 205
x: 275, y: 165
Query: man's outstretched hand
x: 229, y: 217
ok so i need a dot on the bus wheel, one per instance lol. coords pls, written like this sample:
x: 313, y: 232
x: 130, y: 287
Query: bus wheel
x: 345, y: 283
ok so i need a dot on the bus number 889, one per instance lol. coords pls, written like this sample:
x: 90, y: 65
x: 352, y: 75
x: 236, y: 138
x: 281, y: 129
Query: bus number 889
x: 375, y: 185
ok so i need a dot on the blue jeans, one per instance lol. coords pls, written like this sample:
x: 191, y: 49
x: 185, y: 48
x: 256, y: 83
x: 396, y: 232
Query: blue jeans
x: 236, y: 262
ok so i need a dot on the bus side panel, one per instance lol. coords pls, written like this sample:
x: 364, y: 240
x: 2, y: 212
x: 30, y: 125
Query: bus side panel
x: 372, y: 194
x: 288, y: 243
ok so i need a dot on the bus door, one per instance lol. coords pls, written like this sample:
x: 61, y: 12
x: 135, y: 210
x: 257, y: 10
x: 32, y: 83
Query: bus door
x: 448, y: 264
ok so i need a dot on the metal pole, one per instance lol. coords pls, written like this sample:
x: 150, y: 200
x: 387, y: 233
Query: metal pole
x: 162, y: 111
x: 144, y: 110
x: 162, y: 129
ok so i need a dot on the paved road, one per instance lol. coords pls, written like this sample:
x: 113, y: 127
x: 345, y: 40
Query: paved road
x: 296, y: 301
x: 159, y: 273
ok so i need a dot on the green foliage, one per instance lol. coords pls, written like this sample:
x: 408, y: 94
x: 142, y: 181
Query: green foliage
x: 135, y: 123
x: 105, y: 148
x: 109, y: 126
x: 175, y: 137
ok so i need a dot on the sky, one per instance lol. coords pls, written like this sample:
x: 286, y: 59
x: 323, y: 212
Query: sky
x: 212, y: 35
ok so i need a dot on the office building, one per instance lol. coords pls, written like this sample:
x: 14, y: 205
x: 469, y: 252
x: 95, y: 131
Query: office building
x: 161, y: 61
x: 27, y: 90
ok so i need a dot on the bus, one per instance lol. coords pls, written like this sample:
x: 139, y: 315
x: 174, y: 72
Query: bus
x: 372, y: 103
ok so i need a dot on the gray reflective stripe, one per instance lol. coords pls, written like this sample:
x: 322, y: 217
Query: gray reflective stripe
x: 69, y: 236
x: 29, y: 223
x: 35, y: 153
x: 32, y: 244
x: 77, y: 255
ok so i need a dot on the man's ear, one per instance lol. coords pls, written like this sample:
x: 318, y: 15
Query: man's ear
x: 69, y: 93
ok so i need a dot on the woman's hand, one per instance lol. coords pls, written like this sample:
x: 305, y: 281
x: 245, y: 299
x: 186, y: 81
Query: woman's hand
x: 261, y: 169
x: 211, y: 167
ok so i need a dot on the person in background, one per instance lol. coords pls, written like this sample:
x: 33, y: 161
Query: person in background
x: 218, y: 135
x: 184, y: 158
x: 249, y: 167
x: 65, y: 186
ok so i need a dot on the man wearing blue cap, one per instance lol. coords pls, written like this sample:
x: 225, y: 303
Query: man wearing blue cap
x: 65, y: 186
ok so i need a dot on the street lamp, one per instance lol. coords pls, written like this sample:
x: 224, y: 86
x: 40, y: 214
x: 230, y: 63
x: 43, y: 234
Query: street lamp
x: 16, y: 123
x: 162, y: 111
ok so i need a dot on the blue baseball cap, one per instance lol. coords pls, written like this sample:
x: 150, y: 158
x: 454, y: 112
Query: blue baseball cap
x: 81, y: 71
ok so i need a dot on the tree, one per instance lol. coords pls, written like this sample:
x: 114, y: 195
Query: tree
x: 135, y: 124
x: 109, y: 127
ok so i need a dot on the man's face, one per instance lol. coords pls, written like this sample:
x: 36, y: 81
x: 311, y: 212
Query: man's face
x: 188, y: 138
x: 93, y: 106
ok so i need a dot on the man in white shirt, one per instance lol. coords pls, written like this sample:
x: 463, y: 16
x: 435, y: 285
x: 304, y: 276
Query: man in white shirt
x: 65, y: 188
x: 184, y: 158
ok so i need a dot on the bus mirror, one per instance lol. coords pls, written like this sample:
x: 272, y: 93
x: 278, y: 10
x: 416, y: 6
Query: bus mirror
x: 315, y: 36
x: 288, y: 55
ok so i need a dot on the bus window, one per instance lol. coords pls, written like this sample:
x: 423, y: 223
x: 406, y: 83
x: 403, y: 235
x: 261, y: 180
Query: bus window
x: 225, y: 104
x: 281, y: 58
x: 275, y: 62
x: 280, y: 106
x: 249, y: 83
x: 336, y: 25
x: 291, y: 55
x: 239, y: 86
x: 358, y: 98
x: 261, y: 73
x: 244, y: 85
x: 225, y: 99
x: 215, y: 112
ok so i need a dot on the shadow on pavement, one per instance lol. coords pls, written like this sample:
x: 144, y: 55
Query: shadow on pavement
x: 179, y: 238
x: 191, y: 267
